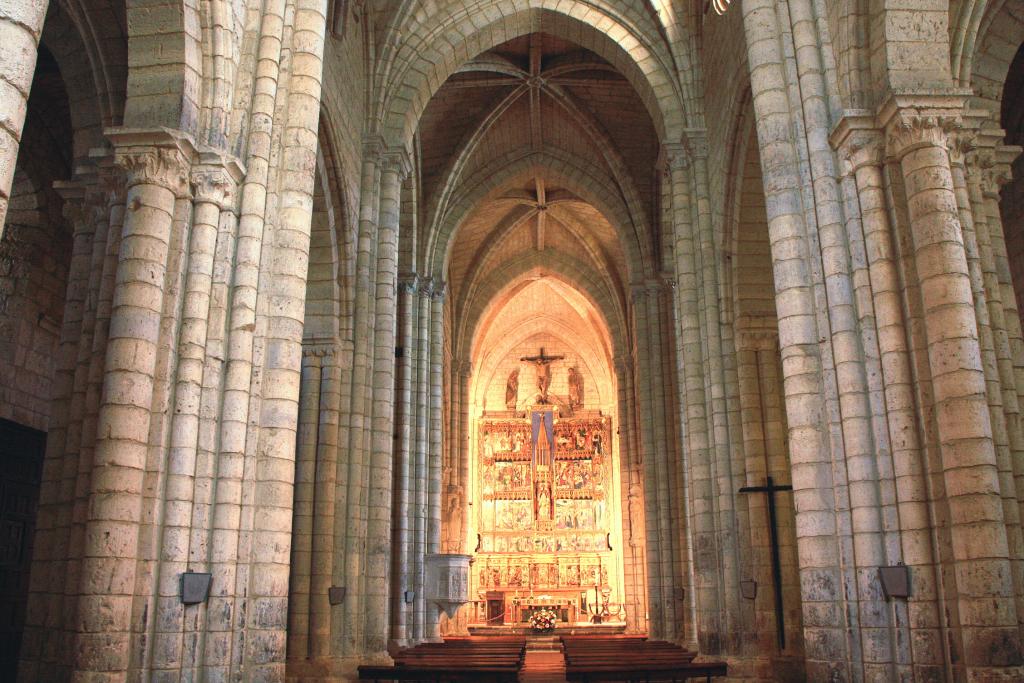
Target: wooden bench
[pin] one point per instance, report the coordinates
(636, 660)
(456, 660)
(435, 674)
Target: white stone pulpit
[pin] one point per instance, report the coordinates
(447, 581)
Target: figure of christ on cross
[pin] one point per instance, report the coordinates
(543, 364)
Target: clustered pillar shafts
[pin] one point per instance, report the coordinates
(154, 455)
(156, 176)
(824, 547)
(981, 539)
(633, 523)
(864, 150)
(698, 442)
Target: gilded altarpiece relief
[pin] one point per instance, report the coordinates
(544, 515)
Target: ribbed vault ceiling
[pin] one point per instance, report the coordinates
(537, 146)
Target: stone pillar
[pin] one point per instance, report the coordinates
(462, 453)
(359, 416)
(633, 522)
(690, 280)
(987, 615)
(751, 349)
(400, 564)
(21, 24)
(324, 507)
(656, 598)
(378, 530)
(156, 176)
(1004, 434)
(212, 185)
(419, 499)
(303, 511)
(862, 146)
(826, 557)
(1002, 329)
(435, 454)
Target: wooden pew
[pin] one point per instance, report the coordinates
(595, 659)
(454, 661)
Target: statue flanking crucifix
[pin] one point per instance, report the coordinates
(543, 364)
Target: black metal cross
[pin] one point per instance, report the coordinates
(770, 489)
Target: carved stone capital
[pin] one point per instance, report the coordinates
(675, 156)
(397, 160)
(160, 157)
(212, 186)
(909, 131)
(408, 284)
(319, 349)
(439, 291)
(216, 178)
(373, 148)
(79, 197)
(696, 142)
(960, 143)
(858, 141)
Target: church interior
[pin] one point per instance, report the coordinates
(344, 337)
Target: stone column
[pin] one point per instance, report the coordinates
(825, 557)
(1004, 435)
(435, 454)
(21, 24)
(655, 585)
(669, 556)
(751, 347)
(862, 146)
(156, 175)
(633, 523)
(400, 565)
(995, 172)
(462, 452)
(1002, 329)
(108, 217)
(419, 499)
(690, 280)
(212, 185)
(987, 615)
(359, 417)
(303, 511)
(324, 508)
(378, 530)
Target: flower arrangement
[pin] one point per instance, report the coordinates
(543, 620)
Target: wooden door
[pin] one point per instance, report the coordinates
(21, 461)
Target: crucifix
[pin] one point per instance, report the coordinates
(543, 364)
(770, 489)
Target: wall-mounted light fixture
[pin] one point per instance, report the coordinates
(720, 6)
(195, 587)
(336, 594)
(895, 581)
(748, 589)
